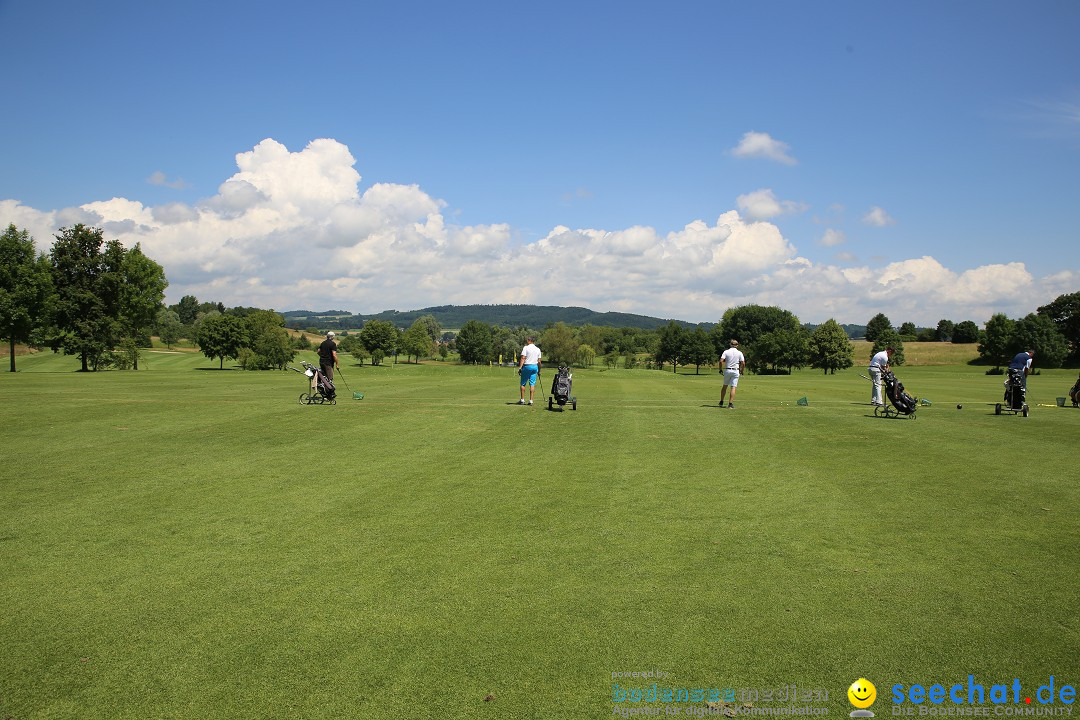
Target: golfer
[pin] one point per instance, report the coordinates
(733, 364)
(529, 369)
(1022, 362)
(879, 364)
(328, 359)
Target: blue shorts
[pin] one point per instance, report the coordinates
(528, 374)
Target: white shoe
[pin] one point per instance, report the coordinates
(530, 402)
(521, 401)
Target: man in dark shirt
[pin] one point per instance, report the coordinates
(328, 359)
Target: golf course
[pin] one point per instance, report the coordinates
(187, 542)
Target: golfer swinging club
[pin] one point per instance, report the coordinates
(529, 369)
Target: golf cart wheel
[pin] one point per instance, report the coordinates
(1025, 411)
(303, 398)
(997, 409)
(878, 411)
(574, 404)
(549, 403)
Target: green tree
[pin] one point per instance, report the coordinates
(830, 348)
(997, 344)
(25, 288)
(698, 349)
(890, 338)
(559, 344)
(417, 341)
(749, 322)
(380, 338)
(877, 325)
(593, 336)
(909, 330)
(945, 330)
(168, 326)
(670, 345)
(473, 342)
(786, 348)
(141, 291)
(586, 356)
(1040, 333)
(86, 272)
(1064, 311)
(222, 336)
(187, 309)
(965, 332)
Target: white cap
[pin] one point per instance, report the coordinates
(330, 334)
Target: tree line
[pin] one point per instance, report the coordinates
(101, 302)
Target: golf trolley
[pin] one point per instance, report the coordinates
(1015, 394)
(320, 388)
(901, 402)
(560, 390)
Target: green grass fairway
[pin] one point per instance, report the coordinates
(184, 542)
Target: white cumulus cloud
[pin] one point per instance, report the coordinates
(759, 144)
(764, 205)
(877, 217)
(292, 229)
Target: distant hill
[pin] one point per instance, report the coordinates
(454, 316)
(855, 332)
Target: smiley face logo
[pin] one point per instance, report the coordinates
(862, 693)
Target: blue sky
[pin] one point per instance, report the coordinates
(836, 158)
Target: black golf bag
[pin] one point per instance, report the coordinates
(894, 389)
(1015, 392)
(561, 387)
(1074, 394)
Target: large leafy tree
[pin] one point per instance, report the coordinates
(698, 349)
(1065, 312)
(559, 344)
(1041, 334)
(417, 341)
(87, 274)
(997, 341)
(380, 337)
(474, 342)
(944, 330)
(784, 348)
(187, 309)
(25, 287)
(266, 336)
(747, 323)
(965, 331)
(830, 348)
(670, 344)
(141, 291)
(168, 326)
(887, 339)
(222, 336)
(877, 325)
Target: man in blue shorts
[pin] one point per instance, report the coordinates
(529, 369)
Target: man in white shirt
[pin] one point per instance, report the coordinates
(529, 369)
(879, 364)
(732, 364)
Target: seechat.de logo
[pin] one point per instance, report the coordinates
(862, 695)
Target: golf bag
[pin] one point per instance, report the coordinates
(1074, 394)
(560, 386)
(324, 385)
(560, 389)
(1015, 393)
(894, 389)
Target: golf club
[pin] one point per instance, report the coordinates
(356, 395)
